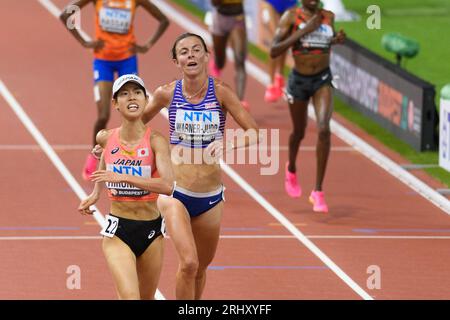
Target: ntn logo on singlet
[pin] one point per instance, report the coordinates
(125, 189)
(139, 171)
(115, 20)
(114, 13)
(198, 115)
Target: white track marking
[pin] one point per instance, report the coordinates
(189, 25)
(360, 145)
(45, 146)
(51, 238)
(391, 167)
(50, 6)
(77, 147)
(36, 147)
(51, 154)
(243, 237)
(336, 237)
(258, 73)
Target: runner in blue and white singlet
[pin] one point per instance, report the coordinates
(195, 125)
(197, 107)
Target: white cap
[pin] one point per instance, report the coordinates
(119, 83)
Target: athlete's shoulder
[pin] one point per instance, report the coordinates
(224, 92)
(221, 87)
(165, 91)
(219, 83)
(103, 136)
(327, 13)
(291, 12)
(157, 139)
(289, 16)
(156, 135)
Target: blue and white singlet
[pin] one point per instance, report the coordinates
(195, 125)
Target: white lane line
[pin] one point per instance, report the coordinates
(76, 147)
(50, 6)
(383, 237)
(191, 26)
(54, 10)
(296, 232)
(45, 146)
(346, 135)
(51, 154)
(336, 237)
(391, 167)
(36, 147)
(243, 237)
(262, 76)
(51, 238)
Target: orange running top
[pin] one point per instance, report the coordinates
(139, 161)
(114, 25)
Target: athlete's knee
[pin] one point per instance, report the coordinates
(189, 267)
(169, 206)
(239, 61)
(298, 135)
(201, 272)
(129, 294)
(324, 133)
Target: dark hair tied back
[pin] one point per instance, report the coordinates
(184, 36)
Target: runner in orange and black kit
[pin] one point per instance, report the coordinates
(135, 165)
(309, 31)
(115, 50)
(228, 20)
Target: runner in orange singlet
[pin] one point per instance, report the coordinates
(115, 50)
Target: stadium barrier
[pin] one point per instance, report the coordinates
(444, 128)
(396, 99)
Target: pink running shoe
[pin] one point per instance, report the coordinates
(273, 93)
(291, 185)
(317, 198)
(213, 70)
(279, 81)
(89, 167)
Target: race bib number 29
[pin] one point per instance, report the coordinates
(110, 227)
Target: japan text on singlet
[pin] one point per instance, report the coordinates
(318, 41)
(139, 161)
(114, 25)
(195, 125)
